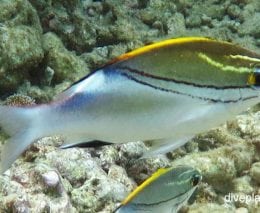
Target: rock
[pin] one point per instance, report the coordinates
(21, 47)
(193, 21)
(65, 64)
(108, 157)
(209, 207)
(234, 11)
(96, 192)
(97, 57)
(75, 165)
(148, 17)
(241, 210)
(19, 13)
(14, 194)
(247, 126)
(20, 43)
(21, 51)
(251, 27)
(51, 179)
(68, 22)
(21, 207)
(219, 166)
(243, 185)
(258, 42)
(118, 173)
(255, 172)
(176, 24)
(141, 169)
(132, 149)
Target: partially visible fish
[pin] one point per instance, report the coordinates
(166, 191)
(165, 92)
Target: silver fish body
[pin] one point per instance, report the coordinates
(165, 193)
(118, 109)
(119, 103)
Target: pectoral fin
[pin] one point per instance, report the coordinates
(163, 146)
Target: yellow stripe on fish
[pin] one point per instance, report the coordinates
(157, 45)
(155, 176)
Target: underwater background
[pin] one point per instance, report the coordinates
(46, 45)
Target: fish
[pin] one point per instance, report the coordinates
(164, 93)
(166, 191)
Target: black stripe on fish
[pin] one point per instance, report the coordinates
(162, 201)
(148, 75)
(180, 93)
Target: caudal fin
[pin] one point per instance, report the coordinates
(18, 123)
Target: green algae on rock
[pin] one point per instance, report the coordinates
(65, 64)
(255, 172)
(21, 47)
(20, 43)
(20, 51)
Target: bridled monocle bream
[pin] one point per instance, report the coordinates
(165, 92)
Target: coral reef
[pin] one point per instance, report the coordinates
(90, 180)
(19, 100)
(20, 43)
(47, 45)
(62, 64)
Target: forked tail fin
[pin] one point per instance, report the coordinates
(18, 123)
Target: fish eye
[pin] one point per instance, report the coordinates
(254, 78)
(257, 76)
(195, 179)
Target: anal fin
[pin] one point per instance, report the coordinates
(87, 144)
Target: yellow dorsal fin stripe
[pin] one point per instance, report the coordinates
(158, 45)
(154, 176)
